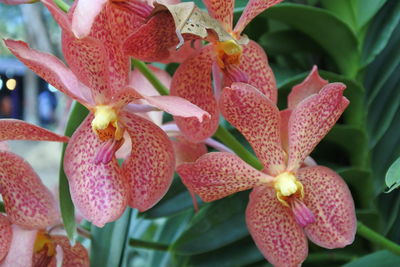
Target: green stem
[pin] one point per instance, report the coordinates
(2, 209)
(148, 244)
(229, 140)
(377, 238)
(142, 67)
(62, 5)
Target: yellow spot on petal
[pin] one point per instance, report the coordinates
(286, 185)
(228, 52)
(44, 241)
(105, 123)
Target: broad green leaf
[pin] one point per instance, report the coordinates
(177, 199)
(380, 31)
(381, 258)
(356, 13)
(215, 225)
(333, 35)
(77, 115)
(108, 243)
(240, 253)
(392, 178)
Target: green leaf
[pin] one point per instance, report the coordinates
(392, 178)
(356, 13)
(380, 31)
(215, 225)
(177, 199)
(77, 115)
(333, 35)
(108, 243)
(381, 258)
(2, 209)
(240, 253)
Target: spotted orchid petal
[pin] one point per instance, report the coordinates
(152, 41)
(277, 235)
(21, 248)
(5, 236)
(99, 191)
(329, 198)
(253, 8)
(187, 50)
(254, 63)
(192, 81)
(52, 70)
(59, 16)
(27, 201)
(11, 129)
(150, 166)
(221, 11)
(88, 59)
(311, 85)
(219, 174)
(258, 119)
(73, 256)
(186, 151)
(285, 116)
(312, 119)
(84, 16)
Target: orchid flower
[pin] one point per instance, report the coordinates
(98, 78)
(31, 208)
(234, 60)
(289, 202)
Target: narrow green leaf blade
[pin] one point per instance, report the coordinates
(77, 115)
(392, 178)
(381, 258)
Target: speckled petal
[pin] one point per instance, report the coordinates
(253, 8)
(219, 174)
(5, 236)
(17, 2)
(178, 107)
(312, 119)
(27, 201)
(192, 81)
(277, 235)
(189, 49)
(11, 129)
(152, 41)
(311, 85)
(84, 16)
(329, 198)
(50, 69)
(73, 256)
(59, 16)
(285, 116)
(142, 84)
(150, 166)
(21, 249)
(186, 151)
(88, 60)
(254, 63)
(100, 192)
(258, 119)
(221, 10)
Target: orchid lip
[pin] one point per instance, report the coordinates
(302, 214)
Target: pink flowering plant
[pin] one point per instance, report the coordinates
(203, 134)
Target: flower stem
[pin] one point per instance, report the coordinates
(142, 67)
(229, 140)
(148, 244)
(377, 238)
(62, 5)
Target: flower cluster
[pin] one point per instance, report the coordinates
(292, 198)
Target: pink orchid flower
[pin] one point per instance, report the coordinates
(31, 208)
(289, 202)
(234, 62)
(99, 79)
